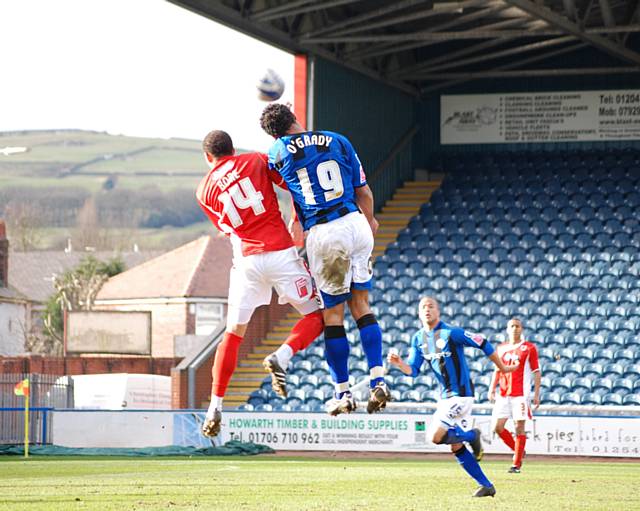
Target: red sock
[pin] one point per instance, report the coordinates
(507, 438)
(305, 331)
(521, 440)
(225, 363)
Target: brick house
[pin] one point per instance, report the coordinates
(14, 307)
(32, 274)
(184, 289)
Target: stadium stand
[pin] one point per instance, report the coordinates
(552, 238)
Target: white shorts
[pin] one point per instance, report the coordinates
(452, 411)
(340, 254)
(512, 407)
(252, 278)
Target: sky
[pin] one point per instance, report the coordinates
(141, 68)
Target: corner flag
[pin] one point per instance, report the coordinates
(22, 388)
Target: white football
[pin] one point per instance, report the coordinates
(271, 86)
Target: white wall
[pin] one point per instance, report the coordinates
(13, 323)
(550, 435)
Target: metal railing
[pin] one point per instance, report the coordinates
(46, 392)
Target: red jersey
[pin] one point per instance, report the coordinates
(238, 197)
(525, 356)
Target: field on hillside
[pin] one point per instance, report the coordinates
(270, 482)
(142, 188)
(60, 152)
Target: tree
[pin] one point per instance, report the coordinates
(89, 232)
(76, 289)
(23, 220)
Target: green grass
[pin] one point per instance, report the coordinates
(317, 484)
(75, 146)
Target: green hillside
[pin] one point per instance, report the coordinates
(99, 189)
(87, 159)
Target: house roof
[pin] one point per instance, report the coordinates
(10, 294)
(32, 273)
(197, 269)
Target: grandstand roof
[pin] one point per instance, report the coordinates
(200, 268)
(421, 46)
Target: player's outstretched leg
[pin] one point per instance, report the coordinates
(224, 364)
(476, 445)
(470, 465)
(211, 427)
(379, 397)
(521, 441)
(304, 332)
(456, 435)
(346, 403)
(337, 355)
(371, 338)
(506, 436)
(485, 491)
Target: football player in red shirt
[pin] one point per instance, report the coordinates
(238, 197)
(512, 402)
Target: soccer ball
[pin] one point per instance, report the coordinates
(271, 86)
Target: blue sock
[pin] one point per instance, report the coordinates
(471, 466)
(336, 353)
(371, 338)
(456, 435)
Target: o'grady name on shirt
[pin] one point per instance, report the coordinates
(308, 140)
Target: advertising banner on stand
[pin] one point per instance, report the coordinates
(578, 436)
(573, 116)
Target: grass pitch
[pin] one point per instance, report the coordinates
(267, 482)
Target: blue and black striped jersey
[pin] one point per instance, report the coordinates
(443, 349)
(322, 171)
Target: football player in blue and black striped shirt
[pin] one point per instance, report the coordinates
(442, 347)
(335, 207)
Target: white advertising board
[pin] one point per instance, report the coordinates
(127, 332)
(551, 435)
(574, 116)
(73, 428)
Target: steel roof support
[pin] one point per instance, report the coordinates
(505, 67)
(530, 73)
(568, 26)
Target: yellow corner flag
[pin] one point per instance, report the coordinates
(22, 389)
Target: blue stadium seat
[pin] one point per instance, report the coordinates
(591, 398)
(571, 398)
(412, 396)
(572, 368)
(551, 398)
(430, 396)
(631, 399)
(562, 382)
(554, 368)
(612, 399)
(614, 369)
(623, 385)
(633, 370)
(594, 369)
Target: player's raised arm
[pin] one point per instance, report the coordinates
(413, 364)
(479, 341)
(500, 365)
